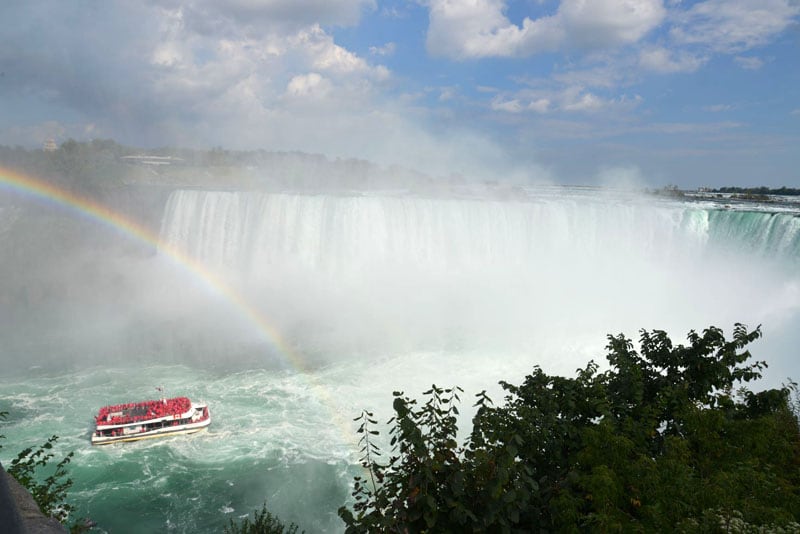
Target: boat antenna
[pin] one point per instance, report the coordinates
(160, 389)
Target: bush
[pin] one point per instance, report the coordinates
(50, 493)
(661, 439)
(263, 523)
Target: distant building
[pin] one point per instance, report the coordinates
(50, 145)
(151, 160)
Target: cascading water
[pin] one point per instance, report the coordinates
(771, 235)
(364, 294)
(345, 236)
(474, 272)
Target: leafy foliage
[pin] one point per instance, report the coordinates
(660, 440)
(432, 484)
(50, 494)
(263, 523)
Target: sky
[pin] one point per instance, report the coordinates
(596, 92)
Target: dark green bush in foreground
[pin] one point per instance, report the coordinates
(662, 440)
(263, 523)
(50, 493)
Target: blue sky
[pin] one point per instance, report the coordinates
(637, 92)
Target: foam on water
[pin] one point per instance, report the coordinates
(266, 430)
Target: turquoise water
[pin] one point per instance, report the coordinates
(276, 435)
(774, 235)
(270, 438)
(369, 295)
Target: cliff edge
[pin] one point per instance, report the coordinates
(19, 513)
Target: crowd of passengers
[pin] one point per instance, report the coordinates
(142, 410)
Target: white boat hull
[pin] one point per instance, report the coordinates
(189, 428)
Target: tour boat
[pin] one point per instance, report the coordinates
(149, 419)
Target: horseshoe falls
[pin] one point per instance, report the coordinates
(289, 313)
(360, 276)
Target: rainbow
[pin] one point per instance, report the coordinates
(29, 186)
(95, 211)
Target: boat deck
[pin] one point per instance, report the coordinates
(149, 419)
(135, 412)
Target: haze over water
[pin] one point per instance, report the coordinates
(367, 293)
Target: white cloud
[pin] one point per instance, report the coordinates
(479, 28)
(579, 100)
(308, 85)
(749, 62)
(716, 108)
(447, 93)
(574, 99)
(593, 23)
(194, 72)
(612, 73)
(540, 105)
(324, 54)
(290, 14)
(385, 50)
(393, 13)
(212, 52)
(683, 128)
(511, 106)
(465, 30)
(240, 78)
(664, 61)
(584, 102)
(730, 26)
(167, 54)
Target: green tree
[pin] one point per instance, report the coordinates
(50, 494)
(661, 439)
(263, 522)
(31, 467)
(432, 484)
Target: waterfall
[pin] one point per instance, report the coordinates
(765, 234)
(375, 272)
(248, 231)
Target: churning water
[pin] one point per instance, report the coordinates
(289, 313)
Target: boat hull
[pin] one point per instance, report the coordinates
(190, 428)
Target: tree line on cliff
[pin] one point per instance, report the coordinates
(89, 167)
